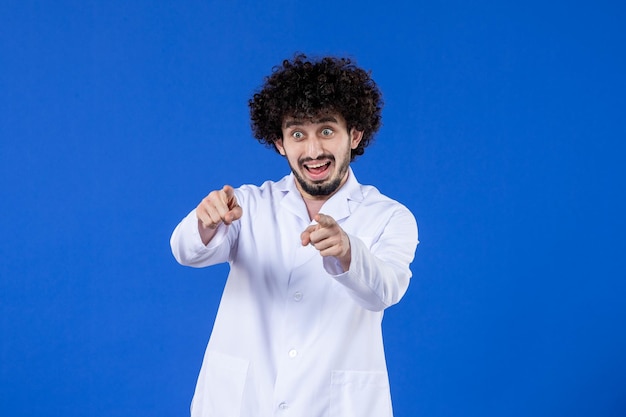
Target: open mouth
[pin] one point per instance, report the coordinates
(317, 170)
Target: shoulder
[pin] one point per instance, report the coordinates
(374, 199)
(370, 200)
(255, 194)
(382, 212)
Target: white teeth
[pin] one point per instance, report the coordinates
(318, 165)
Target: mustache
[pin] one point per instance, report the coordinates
(309, 159)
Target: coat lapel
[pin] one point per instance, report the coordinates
(341, 205)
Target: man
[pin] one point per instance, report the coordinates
(314, 258)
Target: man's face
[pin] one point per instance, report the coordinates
(318, 152)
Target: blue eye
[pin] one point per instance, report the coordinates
(327, 132)
(297, 135)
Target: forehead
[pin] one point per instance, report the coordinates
(321, 118)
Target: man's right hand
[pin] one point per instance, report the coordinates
(220, 206)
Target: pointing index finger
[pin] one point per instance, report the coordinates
(229, 191)
(231, 198)
(324, 220)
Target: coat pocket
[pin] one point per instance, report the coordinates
(360, 394)
(220, 387)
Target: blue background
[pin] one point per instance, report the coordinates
(504, 132)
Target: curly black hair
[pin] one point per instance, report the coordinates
(303, 89)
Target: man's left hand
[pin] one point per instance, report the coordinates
(328, 238)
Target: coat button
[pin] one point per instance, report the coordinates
(297, 296)
(283, 406)
(293, 353)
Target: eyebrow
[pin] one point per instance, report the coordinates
(298, 122)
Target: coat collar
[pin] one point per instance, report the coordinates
(339, 206)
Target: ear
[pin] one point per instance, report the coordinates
(355, 137)
(278, 143)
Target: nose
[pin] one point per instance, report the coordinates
(314, 147)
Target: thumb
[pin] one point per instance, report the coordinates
(305, 236)
(234, 214)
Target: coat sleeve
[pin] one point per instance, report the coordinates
(188, 249)
(379, 275)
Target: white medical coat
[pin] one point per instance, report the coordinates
(295, 335)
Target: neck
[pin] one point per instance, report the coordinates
(313, 206)
(315, 202)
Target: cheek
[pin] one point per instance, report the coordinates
(290, 157)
